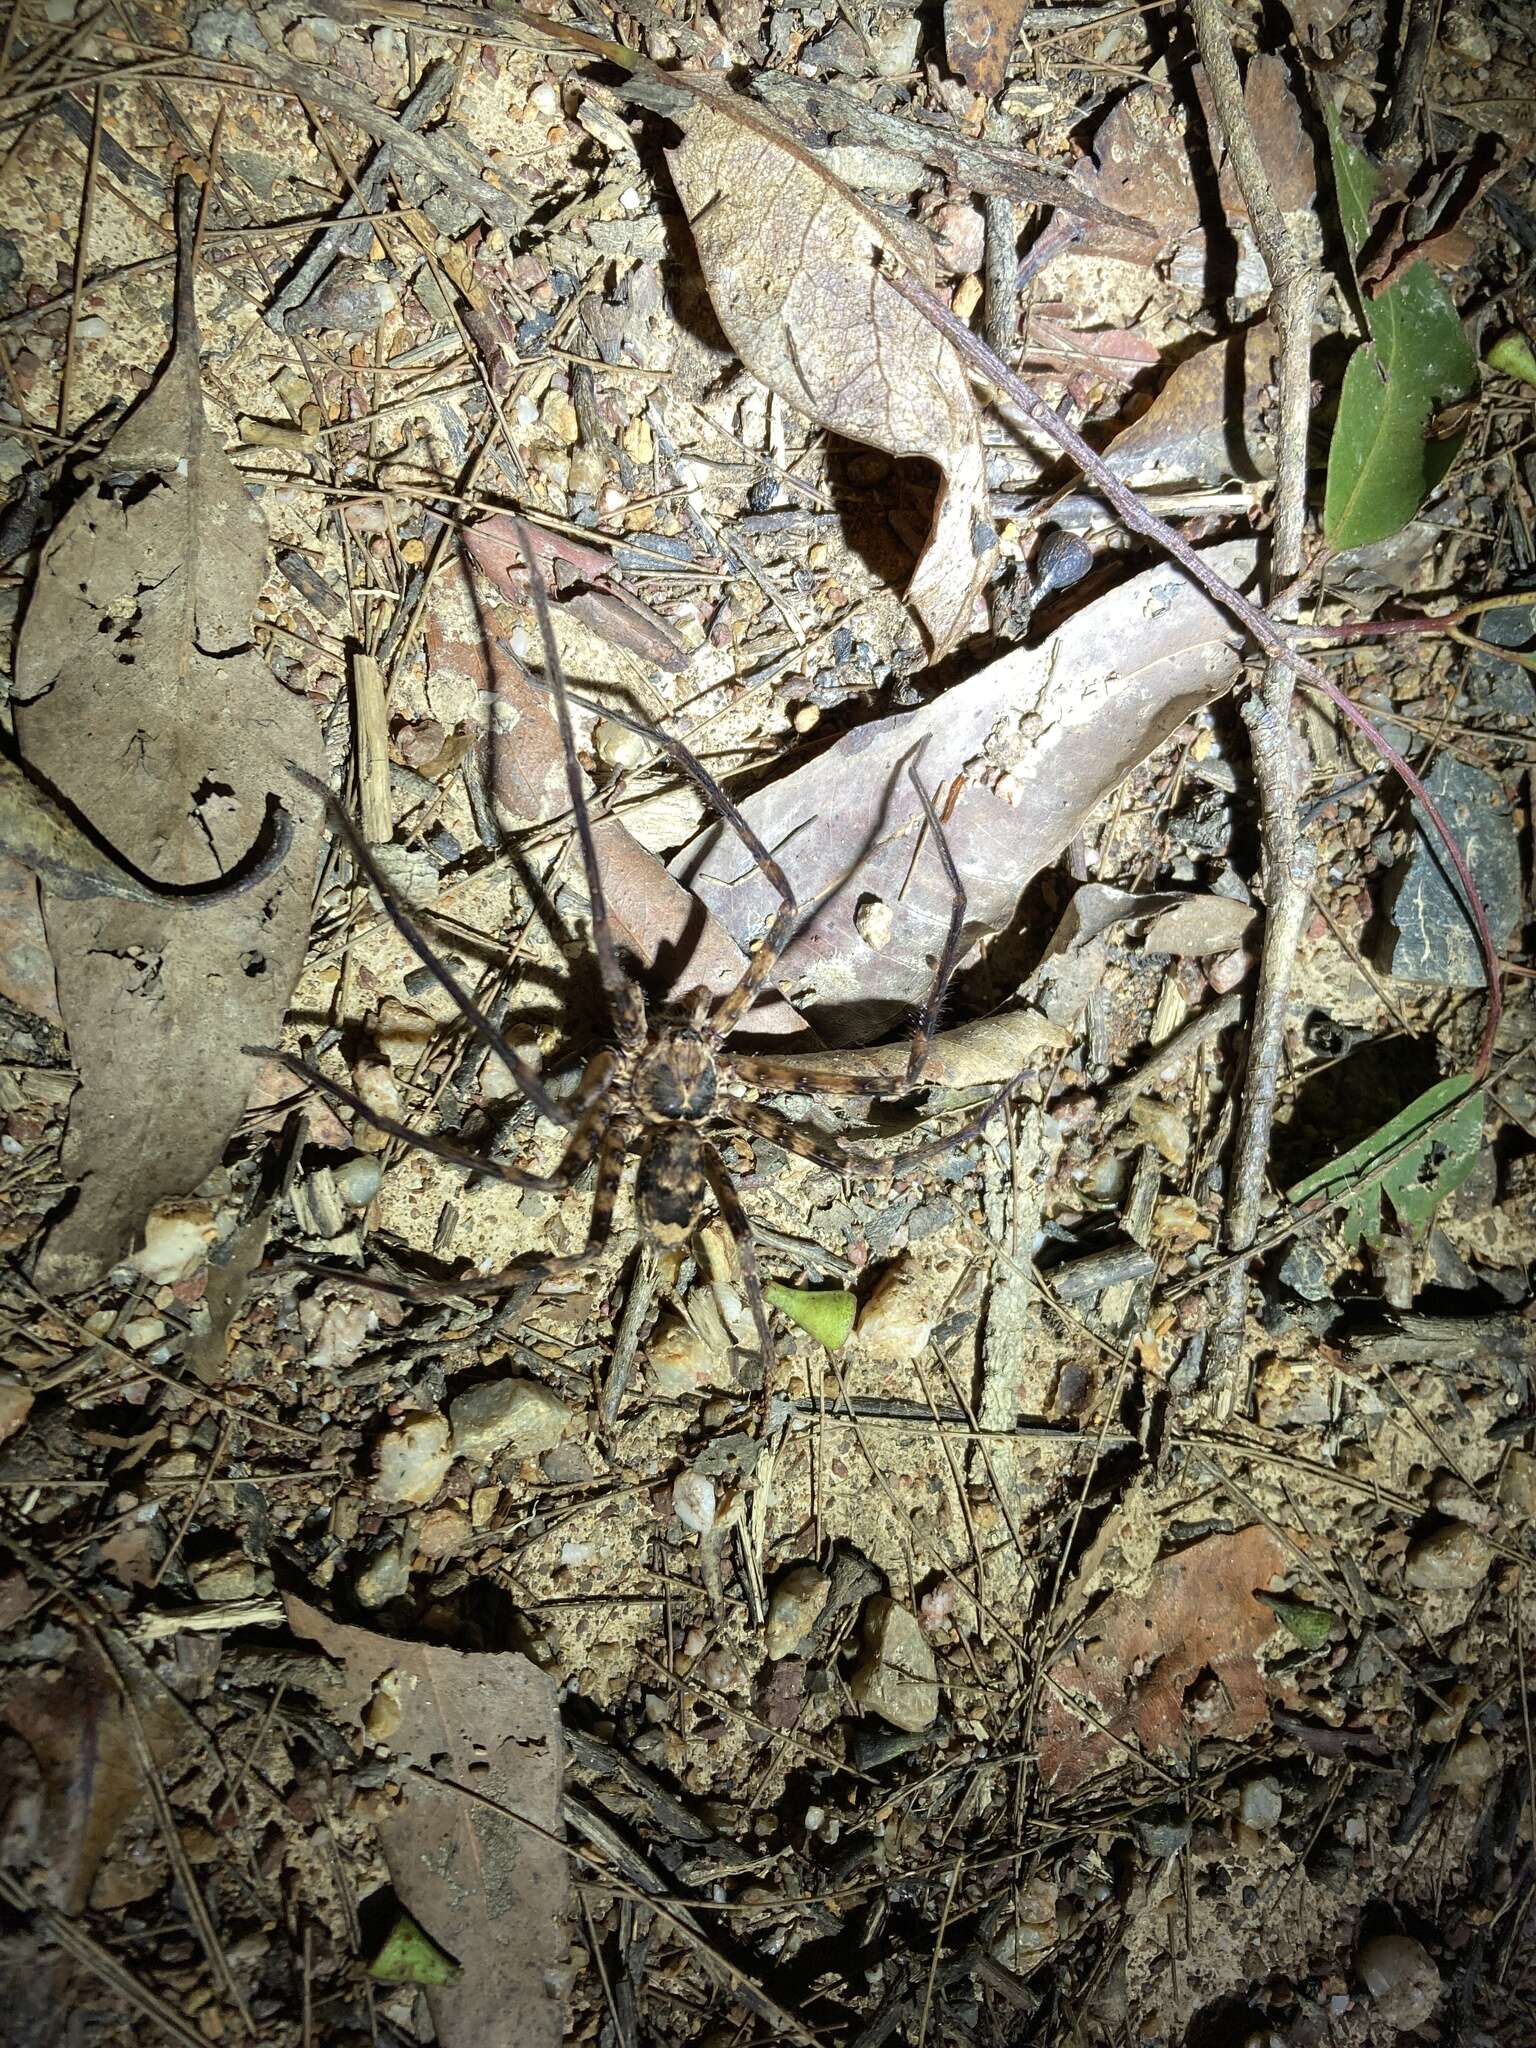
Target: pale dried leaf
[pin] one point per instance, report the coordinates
(141, 701)
(474, 1845)
(1034, 741)
(792, 262)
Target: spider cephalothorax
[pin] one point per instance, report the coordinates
(674, 1078)
(668, 1084)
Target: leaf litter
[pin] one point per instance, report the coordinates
(142, 706)
(1299, 1629)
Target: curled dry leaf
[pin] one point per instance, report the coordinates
(1279, 134)
(474, 1844)
(582, 577)
(658, 924)
(792, 262)
(1019, 755)
(142, 704)
(1211, 424)
(1166, 1666)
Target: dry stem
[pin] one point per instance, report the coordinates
(1289, 859)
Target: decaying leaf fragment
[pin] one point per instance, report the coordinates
(792, 262)
(142, 705)
(473, 1846)
(1165, 1666)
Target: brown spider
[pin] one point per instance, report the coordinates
(667, 1082)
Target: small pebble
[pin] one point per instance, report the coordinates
(898, 1679)
(1451, 1559)
(558, 416)
(874, 921)
(1398, 1973)
(412, 1460)
(794, 1609)
(177, 1235)
(1260, 1804)
(693, 1502)
(617, 746)
(383, 1714)
(358, 1180)
(228, 1576)
(385, 1577)
(959, 235)
(506, 1415)
(443, 1532)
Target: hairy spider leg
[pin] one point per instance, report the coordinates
(526, 1079)
(839, 1156)
(610, 1170)
(625, 1003)
(735, 1218)
(577, 1154)
(764, 953)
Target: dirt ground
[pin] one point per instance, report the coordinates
(401, 1648)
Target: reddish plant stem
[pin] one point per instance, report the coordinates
(1271, 637)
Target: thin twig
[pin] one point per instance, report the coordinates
(77, 292)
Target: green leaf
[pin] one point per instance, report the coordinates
(1355, 179)
(1383, 464)
(1311, 1626)
(1513, 356)
(410, 1956)
(1416, 1160)
(825, 1313)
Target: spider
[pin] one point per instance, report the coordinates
(668, 1083)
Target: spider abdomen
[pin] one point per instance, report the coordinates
(674, 1081)
(670, 1186)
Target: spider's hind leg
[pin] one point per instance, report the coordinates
(735, 1216)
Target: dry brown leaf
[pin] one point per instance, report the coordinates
(1279, 134)
(142, 704)
(791, 260)
(1141, 167)
(1168, 1666)
(1034, 741)
(979, 38)
(474, 1845)
(77, 1728)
